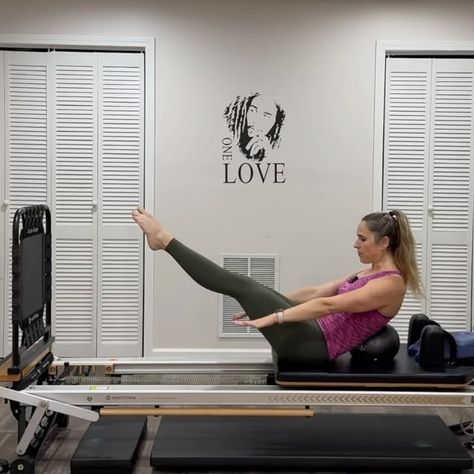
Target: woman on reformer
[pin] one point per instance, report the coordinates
(316, 324)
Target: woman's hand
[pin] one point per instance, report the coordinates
(258, 323)
(238, 316)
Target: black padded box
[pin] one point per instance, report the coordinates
(110, 445)
(331, 442)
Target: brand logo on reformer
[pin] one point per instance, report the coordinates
(256, 124)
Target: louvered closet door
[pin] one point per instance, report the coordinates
(75, 158)
(451, 193)
(24, 151)
(406, 153)
(120, 242)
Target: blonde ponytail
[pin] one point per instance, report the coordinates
(396, 226)
(404, 254)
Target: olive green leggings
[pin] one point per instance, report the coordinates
(299, 342)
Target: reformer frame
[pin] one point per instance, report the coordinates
(265, 396)
(197, 417)
(31, 355)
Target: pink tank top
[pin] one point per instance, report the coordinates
(344, 331)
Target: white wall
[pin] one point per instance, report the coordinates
(317, 59)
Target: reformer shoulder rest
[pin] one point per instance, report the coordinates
(434, 348)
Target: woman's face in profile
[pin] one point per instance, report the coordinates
(260, 117)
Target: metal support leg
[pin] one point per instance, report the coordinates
(32, 428)
(32, 433)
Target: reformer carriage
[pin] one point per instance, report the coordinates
(211, 423)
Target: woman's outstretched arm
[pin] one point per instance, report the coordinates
(383, 294)
(308, 293)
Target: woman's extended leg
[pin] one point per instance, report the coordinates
(299, 342)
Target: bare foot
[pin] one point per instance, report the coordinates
(157, 236)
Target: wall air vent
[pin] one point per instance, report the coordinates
(265, 269)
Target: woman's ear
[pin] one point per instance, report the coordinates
(385, 242)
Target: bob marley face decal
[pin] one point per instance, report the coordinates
(255, 122)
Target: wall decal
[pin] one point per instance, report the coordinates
(256, 123)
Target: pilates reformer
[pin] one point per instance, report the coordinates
(221, 427)
(203, 404)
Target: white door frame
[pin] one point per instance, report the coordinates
(95, 43)
(406, 48)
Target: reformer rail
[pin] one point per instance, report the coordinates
(258, 396)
